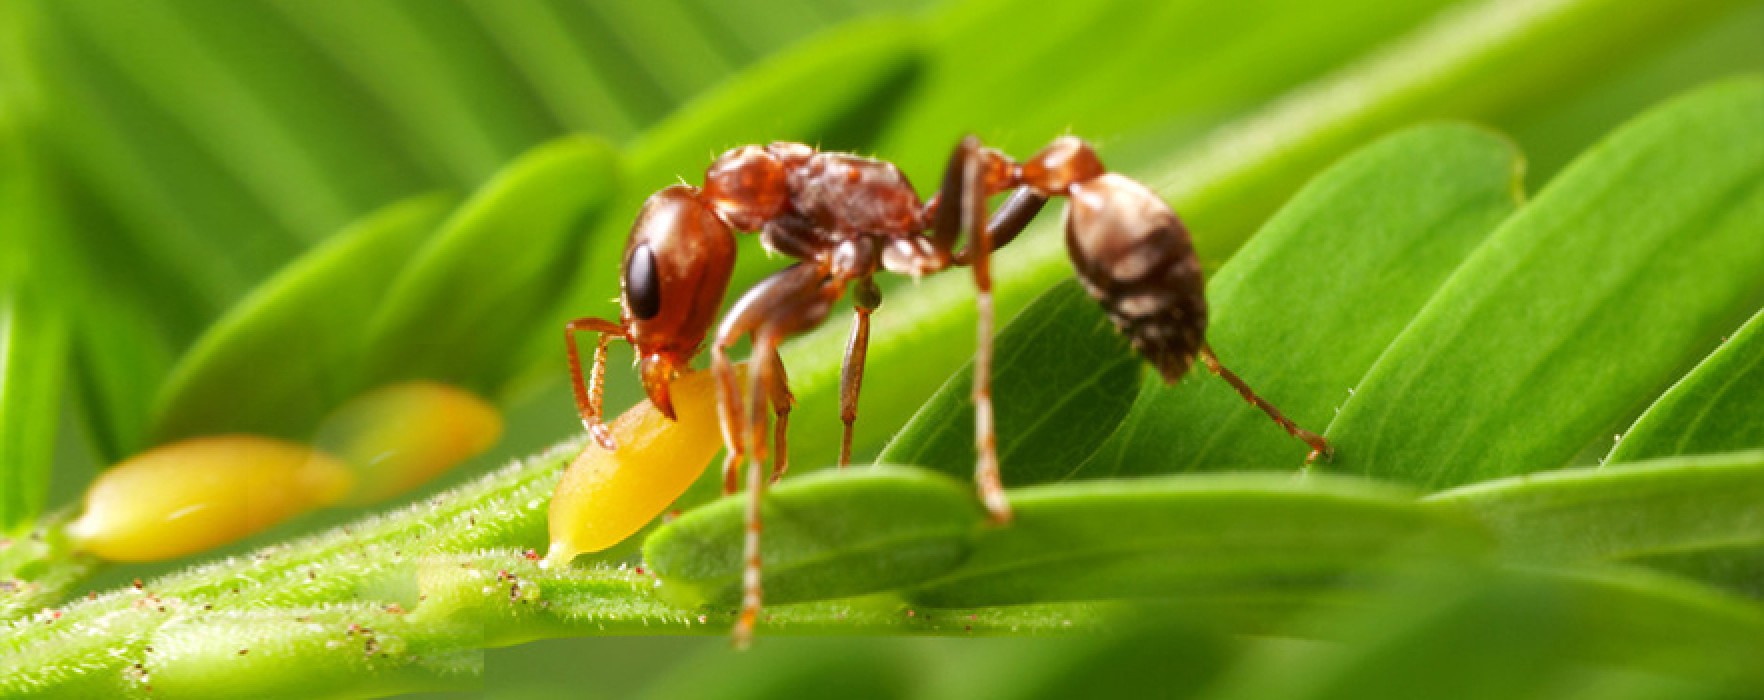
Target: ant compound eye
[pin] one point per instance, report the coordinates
(642, 289)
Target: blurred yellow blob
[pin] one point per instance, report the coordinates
(400, 436)
(201, 493)
(605, 496)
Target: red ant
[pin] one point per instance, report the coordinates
(845, 218)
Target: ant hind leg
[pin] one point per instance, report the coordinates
(962, 205)
(1319, 446)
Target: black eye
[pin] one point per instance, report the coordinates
(642, 290)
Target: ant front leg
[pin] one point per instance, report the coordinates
(588, 396)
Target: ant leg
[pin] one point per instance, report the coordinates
(729, 414)
(851, 372)
(774, 299)
(782, 401)
(792, 299)
(588, 396)
(1009, 219)
(1319, 446)
(961, 204)
(764, 362)
(971, 200)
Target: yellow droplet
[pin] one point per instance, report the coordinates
(401, 436)
(201, 493)
(605, 496)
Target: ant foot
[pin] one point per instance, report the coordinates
(742, 638)
(731, 481)
(602, 435)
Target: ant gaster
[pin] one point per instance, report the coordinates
(846, 218)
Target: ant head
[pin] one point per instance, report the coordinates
(748, 186)
(676, 269)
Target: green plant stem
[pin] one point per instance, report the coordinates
(407, 560)
(38, 569)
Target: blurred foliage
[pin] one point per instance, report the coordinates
(220, 216)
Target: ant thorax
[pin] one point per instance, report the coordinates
(845, 193)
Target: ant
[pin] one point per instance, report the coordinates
(845, 218)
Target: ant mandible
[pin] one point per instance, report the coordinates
(846, 218)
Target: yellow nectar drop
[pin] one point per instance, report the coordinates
(401, 436)
(197, 494)
(606, 496)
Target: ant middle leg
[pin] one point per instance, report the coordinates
(791, 297)
(867, 297)
(588, 396)
(778, 388)
(730, 417)
(762, 368)
(789, 301)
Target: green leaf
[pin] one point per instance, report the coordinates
(1736, 566)
(1062, 379)
(828, 535)
(691, 62)
(289, 353)
(137, 164)
(1145, 652)
(1227, 536)
(843, 667)
(434, 73)
(1714, 408)
(33, 357)
(280, 175)
(1514, 634)
(1615, 513)
(1021, 78)
(1492, 60)
(1646, 250)
(298, 97)
(1307, 306)
(492, 268)
(573, 87)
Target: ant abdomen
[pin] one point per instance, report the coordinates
(1134, 256)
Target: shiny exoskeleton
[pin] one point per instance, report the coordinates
(846, 218)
